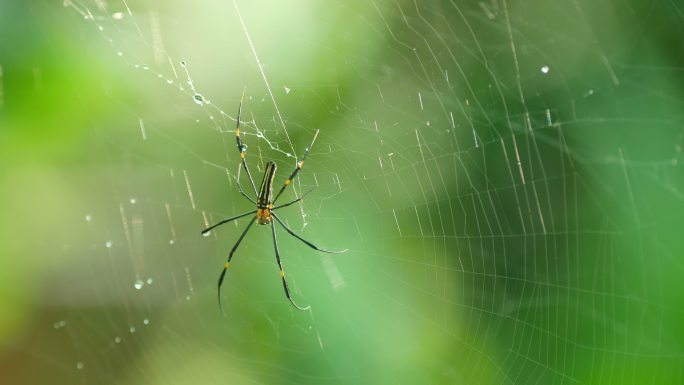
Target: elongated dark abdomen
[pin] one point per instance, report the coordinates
(266, 189)
(265, 198)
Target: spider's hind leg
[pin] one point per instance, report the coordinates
(242, 149)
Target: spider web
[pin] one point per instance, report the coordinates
(506, 176)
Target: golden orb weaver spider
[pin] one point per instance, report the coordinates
(265, 210)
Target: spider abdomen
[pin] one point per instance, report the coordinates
(265, 196)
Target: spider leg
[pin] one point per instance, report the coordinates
(242, 148)
(311, 245)
(299, 166)
(208, 229)
(282, 273)
(227, 265)
(240, 188)
(294, 201)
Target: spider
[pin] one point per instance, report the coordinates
(265, 210)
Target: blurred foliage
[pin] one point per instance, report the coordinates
(507, 177)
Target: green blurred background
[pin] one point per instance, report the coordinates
(506, 176)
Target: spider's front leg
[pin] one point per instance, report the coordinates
(311, 245)
(282, 272)
(230, 257)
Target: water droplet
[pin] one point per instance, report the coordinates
(160, 76)
(133, 201)
(287, 90)
(100, 28)
(117, 340)
(79, 365)
(146, 321)
(171, 241)
(208, 233)
(199, 99)
(169, 81)
(138, 284)
(150, 280)
(545, 69)
(146, 67)
(182, 63)
(88, 217)
(120, 53)
(132, 329)
(117, 15)
(62, 323)
(187, 298)
(108, 244)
